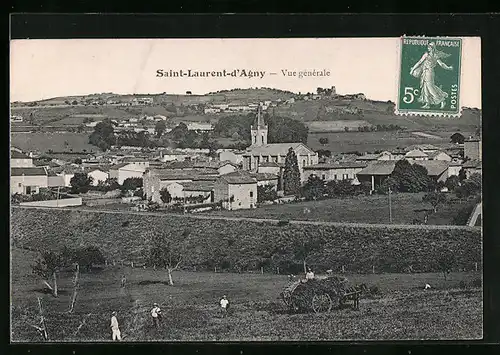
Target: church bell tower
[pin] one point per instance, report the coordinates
(259, 130)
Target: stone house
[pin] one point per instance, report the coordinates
(237, 190)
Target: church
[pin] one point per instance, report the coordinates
(266, 157)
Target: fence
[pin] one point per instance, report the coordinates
(65, 202)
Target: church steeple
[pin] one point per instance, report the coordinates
(259, 130)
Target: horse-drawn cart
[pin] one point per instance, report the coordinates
(320, 294)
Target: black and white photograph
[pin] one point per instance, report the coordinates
(246, 189)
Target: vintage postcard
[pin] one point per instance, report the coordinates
(246, 189)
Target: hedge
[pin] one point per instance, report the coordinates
(243, 244)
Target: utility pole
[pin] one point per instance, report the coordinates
(390, 206)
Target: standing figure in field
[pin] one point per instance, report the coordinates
(224, 304)
(430, 94)
(309, 274)
(156, 315)
(123, 281)
(115, 328)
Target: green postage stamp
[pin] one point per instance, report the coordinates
(429, 76)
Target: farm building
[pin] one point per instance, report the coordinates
(97, 175)
(454, 168)
(437, 155)
(376, 172)
(28, 180)
(67, 172)
(416, 154)
(20, 160)
(236, 190)
(123, 171)
(54, 180)
(472, 149)
(436, 169)
(266, 179)
(335, 170)
(233, 156)
(472, 167)
(270, 168)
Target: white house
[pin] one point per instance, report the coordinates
(20, 160)
(28, 180)
(123, 171)
(97, 175)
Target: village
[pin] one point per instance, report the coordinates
(196, 180)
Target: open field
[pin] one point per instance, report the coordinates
(342, 142)
(402, 309)
(361, 209)
(43, 141)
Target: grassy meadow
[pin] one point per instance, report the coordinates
(361, 209)
(398, 308)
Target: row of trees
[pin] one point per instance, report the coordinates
(82, 183)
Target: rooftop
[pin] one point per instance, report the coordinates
(28, 171)
(336, 165)
(198, 186)
(434, 167)
(472, 164)
(379, 167)
(238, 177)
(278, 149)
(416, 153)
(264, 176)
(14, 154)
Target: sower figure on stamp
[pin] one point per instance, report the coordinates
(430, 94)
(156, 315)
(115, 328)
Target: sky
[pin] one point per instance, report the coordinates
(42, 69)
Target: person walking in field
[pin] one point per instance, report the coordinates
(224, 304)
(309, 274)
(123, 281)
(156, 315)
(115, 328)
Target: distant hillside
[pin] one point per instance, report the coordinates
(52, 111)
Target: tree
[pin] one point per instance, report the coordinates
(462, 174)
(80, 183)
(103, 135)
(304, 247)
(131, 184)
(337, 188)
(285, 130)
(160, 127)
(49, 264)
(88, 256)
(469, 187)
(410, 177)
(291, 174)
(457, 138)
(445, 262)
(435, 199)
(389, 183)
(168, 252)
(324, 153)
(452, 183)
(323, 141)
(266, 193)
(179, 131)
(314, 188)
(165, 195)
